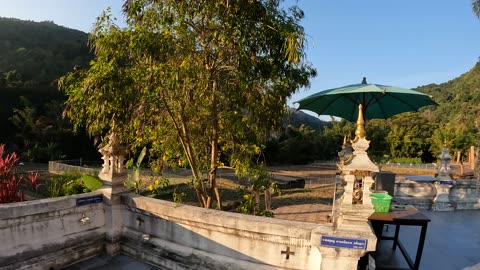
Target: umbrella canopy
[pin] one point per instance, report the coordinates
(378, 101)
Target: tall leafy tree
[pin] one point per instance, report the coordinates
(193, 80)
(476, 7)
(409, 136)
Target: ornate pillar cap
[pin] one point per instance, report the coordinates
(360, 131)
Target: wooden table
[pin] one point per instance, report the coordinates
(401, 215)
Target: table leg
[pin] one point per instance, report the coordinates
(395, 238)
(378, 229)
(420, 246)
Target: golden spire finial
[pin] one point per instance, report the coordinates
(360, 131)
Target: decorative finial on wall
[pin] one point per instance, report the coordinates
(360, 131)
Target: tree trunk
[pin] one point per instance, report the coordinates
(257, 200)
(268, 199)
(471, 157)
(214, 150)
(477, 165)
(182, 132)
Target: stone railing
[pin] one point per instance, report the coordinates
(209, 239)
(54, 233)
(51, 233)
(439, 195)
(165, 234)
(426, 168)
(59, 166)
(57, 232)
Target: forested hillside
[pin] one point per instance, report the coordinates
(408, 137)
(298, 118)
(459, 101)
(36, 54)
(33, 56)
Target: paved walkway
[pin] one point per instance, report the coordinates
(452, 242)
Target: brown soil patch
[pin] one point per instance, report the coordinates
(312, 203)
(304, 212)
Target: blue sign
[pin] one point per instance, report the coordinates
(446, 182)
(340, 242)
(89, 200)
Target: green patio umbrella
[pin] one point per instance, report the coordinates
(378, 101)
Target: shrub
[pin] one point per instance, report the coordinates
(91, 182)
(72, 183)
(159, 184)
(75, 187)
(10, 182)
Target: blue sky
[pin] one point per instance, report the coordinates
(392, 42)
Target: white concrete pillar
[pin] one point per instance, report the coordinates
(348, 194)
(113, 176)
(442, 202)
(367, 184)
(106, 160)
(340, 258)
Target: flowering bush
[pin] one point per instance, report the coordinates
(248, 204)
(10, 182)
(261, 184)
(159, 184)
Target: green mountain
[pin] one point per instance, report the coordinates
(33, 56)
(297, 118)
(38, 53)
(458, 99)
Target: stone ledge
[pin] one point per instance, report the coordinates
(36, 207)
(221, 220)
(58, 253)
(174, 256)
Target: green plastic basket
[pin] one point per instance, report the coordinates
(381, 202)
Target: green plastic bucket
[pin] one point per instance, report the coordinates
(381, 202)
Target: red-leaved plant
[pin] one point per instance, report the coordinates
(10, 182)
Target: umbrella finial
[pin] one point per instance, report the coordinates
(360, 131)
(364, 81)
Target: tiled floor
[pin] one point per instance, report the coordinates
(452, 242)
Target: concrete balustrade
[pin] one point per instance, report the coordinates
(425, 194)
(49, 233)
(58, 232)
